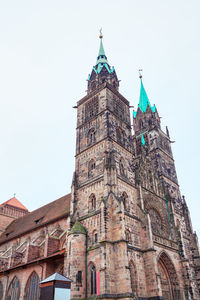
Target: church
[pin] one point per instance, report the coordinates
(124, 231)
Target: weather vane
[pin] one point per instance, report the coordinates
(101, 35)
(140, 73)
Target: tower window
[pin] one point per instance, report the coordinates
(120, 138)
(92, 202)
(91, 167)
(91, 136)
(91, 108)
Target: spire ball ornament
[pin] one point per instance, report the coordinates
(101, 35)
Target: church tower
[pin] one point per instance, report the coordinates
(128, 220)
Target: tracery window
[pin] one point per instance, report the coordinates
(32, 287)
(120, 138)
(92, 202)
(118, 108)
(1, 290)
(14, 290)
(91, 136)
(156, 221)
(91, 108)
(91, 167)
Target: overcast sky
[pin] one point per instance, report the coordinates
(47, 50)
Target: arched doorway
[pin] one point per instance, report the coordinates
(168, 278)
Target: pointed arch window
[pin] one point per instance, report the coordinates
(1, 290)
(93, 280)
(91, 136)
(14, 290)
(120, 138)
(91, 167)
(32, 287)
(92, 202)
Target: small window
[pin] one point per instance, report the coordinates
(93, 284)
(96, 238)
(79, 278)
(92, 202)
(38, 221)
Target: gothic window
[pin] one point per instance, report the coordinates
(156, 222)
(128, 236)
(91, 167)
(1, 290)
(94, 237)
(121, 167)
(120, 138)
(91, 108)
(93, 280)
(14, 290)
(125, 200)
(32, 287)
(92, 202)
(118, 108)
(91, 136)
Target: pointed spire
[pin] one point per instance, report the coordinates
(101, 56)
(144, 100)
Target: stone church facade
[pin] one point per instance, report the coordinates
(124, 232)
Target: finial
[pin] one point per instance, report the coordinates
(101, 35)
(14, 194)
(140, 74)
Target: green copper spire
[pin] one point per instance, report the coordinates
(101, 56)
(102, 59)
(144, 100)
(101, 49)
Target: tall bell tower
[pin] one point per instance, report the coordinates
(130, 231)
(103, 183)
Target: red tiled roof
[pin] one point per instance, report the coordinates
(43, 215)
(15, 202)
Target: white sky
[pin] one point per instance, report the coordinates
(47, 50)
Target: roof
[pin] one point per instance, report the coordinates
(14, 202)
(43, 215)
(56, 276)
